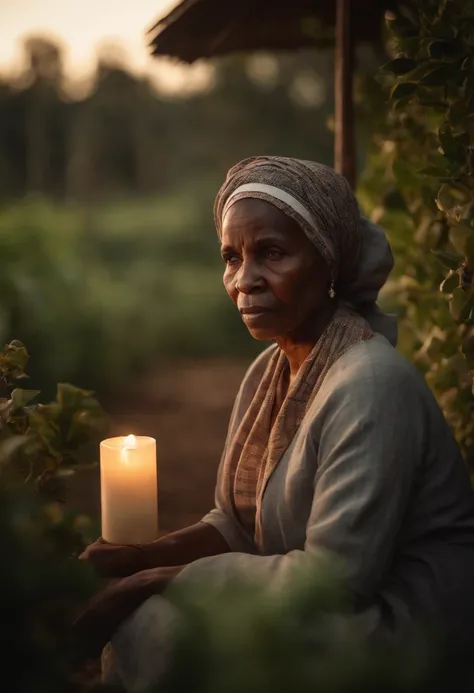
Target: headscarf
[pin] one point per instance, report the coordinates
(323, 205)
(360, 260)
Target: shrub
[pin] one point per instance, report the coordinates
(419, 185)
(102, 294)
(39, 443)
(41, 589)
(41, 584)
(247, 637)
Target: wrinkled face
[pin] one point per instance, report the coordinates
(274, 274)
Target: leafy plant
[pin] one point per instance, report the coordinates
(300, 638)
(42, 586)
(420, 186)
(40, 443)
(41, 590)
(103, 295)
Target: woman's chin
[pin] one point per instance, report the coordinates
(261, 326)
(262, 334)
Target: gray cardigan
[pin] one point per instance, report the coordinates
(373, 477)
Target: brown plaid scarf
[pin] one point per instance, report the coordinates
(258, 445)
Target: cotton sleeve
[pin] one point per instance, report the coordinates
(369, 438)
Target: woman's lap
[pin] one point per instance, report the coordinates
(140, 651)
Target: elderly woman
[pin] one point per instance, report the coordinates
(335, 447)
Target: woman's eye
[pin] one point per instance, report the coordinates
(273, 253)
(231, 259)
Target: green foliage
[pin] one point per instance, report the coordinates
(425, 154)
(100, 296)
(39, 443)
(41, 590)
(42, 586)
(298, 637)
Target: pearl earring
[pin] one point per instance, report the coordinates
(332, 291)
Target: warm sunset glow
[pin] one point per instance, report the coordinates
(82, 27)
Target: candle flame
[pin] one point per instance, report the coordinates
(129, 443)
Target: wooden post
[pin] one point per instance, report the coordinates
(344, 145)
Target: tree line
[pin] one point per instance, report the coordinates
(125, 137)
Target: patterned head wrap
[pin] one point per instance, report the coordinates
(323, 205)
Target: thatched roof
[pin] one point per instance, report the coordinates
(206, 28)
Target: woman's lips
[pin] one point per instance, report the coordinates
(254, 314)
(255, 310)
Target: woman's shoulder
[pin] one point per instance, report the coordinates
(374, 360)
(376, 366)
(373, 367)
(374, 384)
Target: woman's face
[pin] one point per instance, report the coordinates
(274, 274)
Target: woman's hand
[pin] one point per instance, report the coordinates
(114, 560)
(106, 611)
(175, 549)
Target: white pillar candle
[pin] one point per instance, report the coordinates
(129, 490)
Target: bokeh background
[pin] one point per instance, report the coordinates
(109, 164)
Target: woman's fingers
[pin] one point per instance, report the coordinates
(112, 560)
(90, 550)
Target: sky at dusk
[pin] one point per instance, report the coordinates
(83, 26)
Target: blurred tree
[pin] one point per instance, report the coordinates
(126, 138)
(41, 113)
(139, 171)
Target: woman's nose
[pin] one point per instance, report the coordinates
(249, 278)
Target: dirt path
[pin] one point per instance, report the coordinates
(186, 409)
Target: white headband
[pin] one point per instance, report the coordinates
(285, 197)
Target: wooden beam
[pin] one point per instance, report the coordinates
(344, 144)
